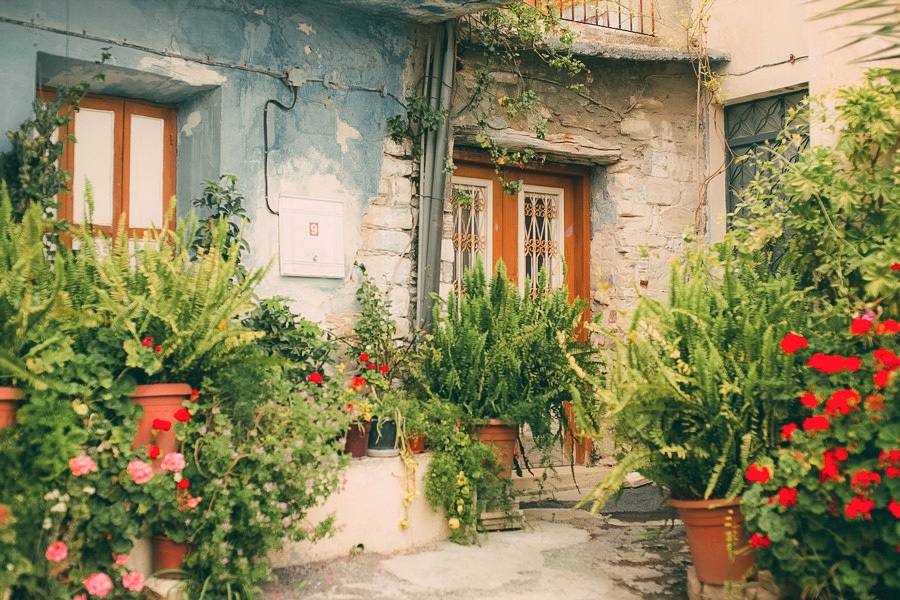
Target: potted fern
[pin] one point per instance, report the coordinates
(500, 356)
(33, 341)
(700, 386)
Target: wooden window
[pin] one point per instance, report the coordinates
(126, 150)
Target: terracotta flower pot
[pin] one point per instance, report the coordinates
(416, 444)
(159, 401)
(168, 556)
(503, 437)
(712, 526)
(9, 404)
(357, 442)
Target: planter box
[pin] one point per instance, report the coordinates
(368, 511)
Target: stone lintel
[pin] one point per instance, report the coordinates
(559, 147)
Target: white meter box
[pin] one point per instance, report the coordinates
(311, 237)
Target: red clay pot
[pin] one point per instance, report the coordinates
(503, 437)
(160, 401)
(416, 444)
(357, 443)
(9, 404)
(712, 526)
(168, 556)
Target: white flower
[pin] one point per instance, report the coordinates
(59, 507)
(48, 523)
(89, 490)
(51, 495)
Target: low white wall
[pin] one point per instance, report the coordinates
(368, 511)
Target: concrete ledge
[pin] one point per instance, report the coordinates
(369, 514)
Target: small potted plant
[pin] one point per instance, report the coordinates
(501, 357)
(697, 390)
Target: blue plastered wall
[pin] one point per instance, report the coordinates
(219, 61)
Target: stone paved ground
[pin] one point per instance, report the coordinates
(627, 553)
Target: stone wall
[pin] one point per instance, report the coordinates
(643, 202)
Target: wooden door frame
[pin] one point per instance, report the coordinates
(578, 207)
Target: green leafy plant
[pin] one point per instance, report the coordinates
(420, 117)
(499, 355)
(33, 338)
(221, 201)
(835, 207)
(699, 385)
(174, 313)
(824, 506)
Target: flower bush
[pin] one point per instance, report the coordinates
(824, 509)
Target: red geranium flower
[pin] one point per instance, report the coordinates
(895, 267)
(888, 359)
(757, 474)
(158, 349)
(888, 327)
(152, 451)
(809, 399)
(195, 394)
(162, 425)
(364, 357)
(793, 342)
(370, 366)
(859, 506)
(182, 414)
(881, 378)
(860, 326)
(894, 508)
(852, 364)
(147, 342)
(787, 496)
(842, 401)
(827, 363)
(787, 431)
(184, 484)
(760, 540)
(357, 382)
(864, 479)
(315, 377)
(384, 369)
(817, 423)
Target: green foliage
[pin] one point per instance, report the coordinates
(174, 312)
(221, 201)
(375, 328)
(838, 207)
(420, 118)
(817, 541)
(700, 385)
(463, 477)
(302, 343)
(33, 340)
(498, 355)
(30, 168)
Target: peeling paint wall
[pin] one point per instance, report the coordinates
(219, 61)
(640, 205)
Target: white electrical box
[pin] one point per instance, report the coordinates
(311, 237)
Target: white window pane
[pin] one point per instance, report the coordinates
(145, 189)
(94, 162)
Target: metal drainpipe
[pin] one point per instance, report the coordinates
(439, 75)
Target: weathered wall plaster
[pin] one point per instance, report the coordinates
(219, 61)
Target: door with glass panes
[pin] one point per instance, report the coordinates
(544, 223)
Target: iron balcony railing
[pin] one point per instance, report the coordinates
(636, 16)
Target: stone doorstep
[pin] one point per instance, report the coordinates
(761, 587)
(559, 484)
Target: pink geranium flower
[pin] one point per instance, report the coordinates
(57, 552)
(173, 461)
(82, 465)
(140, 471)
(133, 581)
(98, 584)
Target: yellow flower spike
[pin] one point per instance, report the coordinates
(223, 324)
